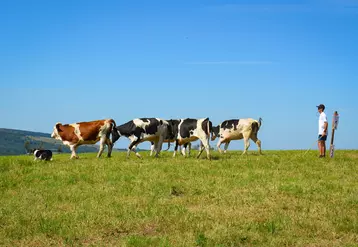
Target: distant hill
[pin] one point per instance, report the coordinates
(15, 142)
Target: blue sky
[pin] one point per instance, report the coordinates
(71, 61)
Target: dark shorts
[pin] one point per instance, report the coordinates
(322, 138)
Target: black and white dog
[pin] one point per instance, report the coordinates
(42, 154)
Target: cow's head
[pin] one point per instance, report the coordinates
(115, 135)
(215, 132)
(56, 129)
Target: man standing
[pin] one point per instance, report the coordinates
(322, 131)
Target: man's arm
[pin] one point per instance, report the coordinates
(325, 128)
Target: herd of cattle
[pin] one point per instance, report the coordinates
(179, 131)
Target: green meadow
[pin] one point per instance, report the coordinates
(283, 198)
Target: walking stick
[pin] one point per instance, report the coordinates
(334, 127)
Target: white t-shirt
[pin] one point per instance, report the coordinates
(322, 119)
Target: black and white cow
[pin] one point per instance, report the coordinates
(143, 129)
(237, 129)
(189, 130)
(169, 138)
(187, 146)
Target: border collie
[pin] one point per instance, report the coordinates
(42, 154)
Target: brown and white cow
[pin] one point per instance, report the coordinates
(76, 134)
(237, 129)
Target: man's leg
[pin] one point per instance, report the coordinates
(322, 145)
(320, 148)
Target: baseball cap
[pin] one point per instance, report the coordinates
(321, 106)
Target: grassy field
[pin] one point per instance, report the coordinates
(280, 199)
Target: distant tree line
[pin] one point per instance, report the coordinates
(30, 145)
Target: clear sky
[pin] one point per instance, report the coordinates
(70, 61)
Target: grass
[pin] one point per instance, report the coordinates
(280, 199)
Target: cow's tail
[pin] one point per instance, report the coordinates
(112, 125)
(255, 125)
(207, 126)
(210, 127)
(168, 145)
(260, 122)
(113, 130)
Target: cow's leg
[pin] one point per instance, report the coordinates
(73, 151)
(159, 145)
(207, 148)
(133, 146)
(155, 149)
(102, 142)
(246, 141)
(183, 148)
(110, 147)
(176, 147)
(134, 149)
(257, 141)
(226, 146)
(218, 145)
(189, 148)
(201, 149)
(205, 142)
(152, 148)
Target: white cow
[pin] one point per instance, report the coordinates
(237, 129)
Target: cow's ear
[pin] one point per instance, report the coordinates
(58, 127)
